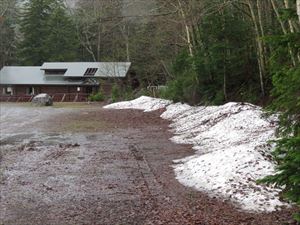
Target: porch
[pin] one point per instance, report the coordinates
(57, 97)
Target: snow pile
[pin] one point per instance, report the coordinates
(143, 103)
(232, 150)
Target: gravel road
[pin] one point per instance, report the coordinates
(81, 164)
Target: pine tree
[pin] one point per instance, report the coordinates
(34, 28)
(287, 152)
(8, 15)
(48, 33)
(61, 42)
(286, 94)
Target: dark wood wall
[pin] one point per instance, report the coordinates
(59, 89)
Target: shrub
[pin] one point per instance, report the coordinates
(142, 92)
(98, 97)
(128, 94)
(115, 93)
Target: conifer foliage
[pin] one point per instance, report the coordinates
(61, 42)
(286, 93)
(8, 15)
(287, 153)
(48, 33)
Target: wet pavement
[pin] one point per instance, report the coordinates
(81, 164)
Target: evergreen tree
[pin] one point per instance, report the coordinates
(48, 33)
(34, 28)
(8, 15)
(286, 93)
(61, 42)
(287, 153)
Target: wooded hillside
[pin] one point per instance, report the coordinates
(207, 51)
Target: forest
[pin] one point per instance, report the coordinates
(206, 52)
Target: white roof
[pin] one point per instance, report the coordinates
(26, 75)
(77, 69)
(35, 75)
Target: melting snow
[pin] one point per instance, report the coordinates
(232, 150)
(144, 103)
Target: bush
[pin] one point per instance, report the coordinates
(115, 93)
(129, 94)
(119, 94)
(98, 97)
(174, 91)
(142, 92)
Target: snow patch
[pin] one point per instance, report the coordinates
(232, 149)
(144, 103)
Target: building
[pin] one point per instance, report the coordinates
(64, 81)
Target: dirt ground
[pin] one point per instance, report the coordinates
(81, 164)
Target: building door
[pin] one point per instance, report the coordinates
(89, 90)
(30, 91)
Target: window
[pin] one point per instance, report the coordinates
(55, 71)
(30, 91)
(8, 91)
(90, 71)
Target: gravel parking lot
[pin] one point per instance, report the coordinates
(81, 164)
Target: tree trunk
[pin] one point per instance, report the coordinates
(278, 17)
(261, 25)
(224, 80)
(99, 42)
(187, 29)
(287, 6)
(283, 29)
(260, 51)
(127, 43)
(224, 57)
(259, 12)
(298, 13)
(89, 48)
(298, 9)
(125, 33)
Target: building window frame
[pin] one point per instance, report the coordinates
(30, 90)
(8, 90)
(55, 71)
(90, 72)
